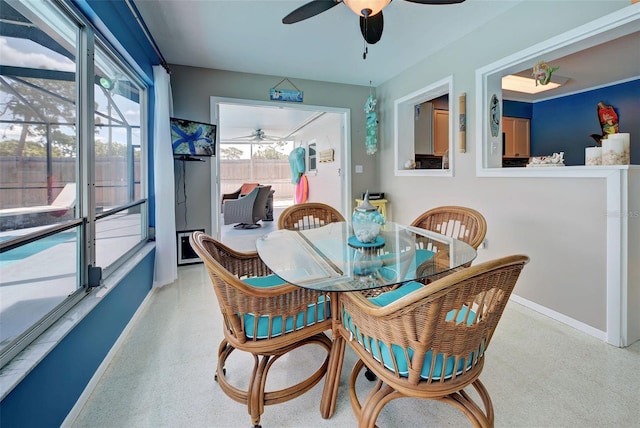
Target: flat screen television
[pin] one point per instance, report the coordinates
(190, 138)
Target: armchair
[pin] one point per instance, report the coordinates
(245, 189)
(247, 210)
(462, 223)
(264, 316)
(429, 342)
(308, 215)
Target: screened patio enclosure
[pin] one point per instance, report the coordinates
(73, 201)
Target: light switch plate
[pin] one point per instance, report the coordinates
(359, 169)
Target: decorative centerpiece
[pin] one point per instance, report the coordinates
(367, 221)
(557, 159)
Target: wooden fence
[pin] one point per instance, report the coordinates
(23, 180)
(277, 173)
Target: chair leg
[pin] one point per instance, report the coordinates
(463, 402)
(381, 394)
(255, 397)
(375, 402)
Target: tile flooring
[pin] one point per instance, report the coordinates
(540, 373)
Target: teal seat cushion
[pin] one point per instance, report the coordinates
(392, 270)
(398, 352)
(393, 295)
(264, 281)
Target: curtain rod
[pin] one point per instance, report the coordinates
(147, 34)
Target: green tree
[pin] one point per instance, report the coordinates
(42, 105)
(270, 151)
(230, 153)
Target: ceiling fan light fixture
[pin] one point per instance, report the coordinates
(373, 7)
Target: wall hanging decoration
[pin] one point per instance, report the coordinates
(326, 155)
(608, 119)
(462, 122)
(494, 115)
(371, 140)
(542, 73)
(277, 93)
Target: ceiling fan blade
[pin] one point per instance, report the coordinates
(309, 10)
(371, 28)
(435, 2)
(244, 137)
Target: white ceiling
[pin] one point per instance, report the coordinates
(248, 36)
(240, 121)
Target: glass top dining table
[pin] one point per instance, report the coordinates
(329, 258)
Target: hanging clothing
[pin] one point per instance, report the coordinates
(296, 162)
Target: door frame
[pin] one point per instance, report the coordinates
(345, 149)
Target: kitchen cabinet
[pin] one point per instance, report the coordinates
(440, 132)
(516, 137)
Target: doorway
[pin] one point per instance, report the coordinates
(254, 142)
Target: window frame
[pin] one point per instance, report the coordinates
(86, 215)
(403, 141)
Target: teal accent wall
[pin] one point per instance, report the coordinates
(49, 392)
(566, 123)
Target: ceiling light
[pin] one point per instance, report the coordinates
(366, 7)
(528, 84)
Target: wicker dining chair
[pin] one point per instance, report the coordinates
(462, 223)
(429, 342)
(264, 316)
(308, 215)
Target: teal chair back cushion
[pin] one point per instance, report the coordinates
(277, 325)
(383, 354)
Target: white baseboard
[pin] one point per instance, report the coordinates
(591, 331)
(93, 382)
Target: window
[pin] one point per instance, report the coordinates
(423, 137)
(312, 156)
(554, 129)
(264, 162)
(71, 166)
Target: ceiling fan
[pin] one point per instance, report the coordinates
(370, 12)
(257, 135)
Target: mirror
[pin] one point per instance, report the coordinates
(597, 62)
(423, 131)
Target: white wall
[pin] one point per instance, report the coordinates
(193, 87)
(324, 184)
(559, 223)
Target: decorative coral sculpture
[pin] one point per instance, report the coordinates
(542, 73)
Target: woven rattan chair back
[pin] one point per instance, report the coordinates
(465, 224)
(432, 341)
(250, 315)
(308, 216)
